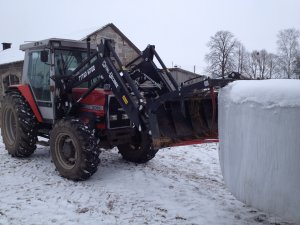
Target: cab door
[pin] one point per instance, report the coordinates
(38, 75)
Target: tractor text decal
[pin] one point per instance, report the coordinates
(86, 73)
(110, 74)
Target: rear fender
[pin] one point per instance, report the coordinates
(27, 94)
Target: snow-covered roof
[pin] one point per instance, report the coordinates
(11, 55)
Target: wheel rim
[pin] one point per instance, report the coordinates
(10, 125)
(66, 151)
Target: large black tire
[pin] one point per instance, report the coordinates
(139, 151)
(18, 125)
(74, 151)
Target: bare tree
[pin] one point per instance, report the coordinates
(252, 64)
(220, 58)
(241, 58)
(297, 67)
(262, 65)
(288, 47)
(262, 60)
(273, 66)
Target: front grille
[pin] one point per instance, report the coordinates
(116, 116)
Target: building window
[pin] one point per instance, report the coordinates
(10, 80)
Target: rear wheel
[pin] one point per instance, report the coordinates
(74, 149)
(140, 151)
(18, 125)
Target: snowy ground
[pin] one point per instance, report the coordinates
(182, 185)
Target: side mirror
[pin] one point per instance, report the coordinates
(44, 56)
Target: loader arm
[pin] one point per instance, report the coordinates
(123, 82)
(150, 96)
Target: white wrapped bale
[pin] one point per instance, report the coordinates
(259, 131)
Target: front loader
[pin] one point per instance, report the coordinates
(83, 99)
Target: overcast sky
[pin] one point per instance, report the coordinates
(180, 29)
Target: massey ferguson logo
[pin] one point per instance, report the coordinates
(110, 74)
(86, 73)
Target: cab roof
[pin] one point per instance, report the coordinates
(55, 42)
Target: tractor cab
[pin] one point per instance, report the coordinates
(50, 58)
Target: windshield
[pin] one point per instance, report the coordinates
(66, 61)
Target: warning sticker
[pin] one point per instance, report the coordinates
(125, 99)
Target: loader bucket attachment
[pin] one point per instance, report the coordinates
(175, 112)
(183, 120)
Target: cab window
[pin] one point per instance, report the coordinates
(38, 74)
(66, 61)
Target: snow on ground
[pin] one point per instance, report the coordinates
(181, 185)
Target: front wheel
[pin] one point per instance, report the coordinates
(139, 151)
(74, 150)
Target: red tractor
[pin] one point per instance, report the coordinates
(82, 98)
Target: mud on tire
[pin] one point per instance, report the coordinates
(139, 151)
(18, 125)
(74, 151)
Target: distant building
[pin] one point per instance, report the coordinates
(124, 48)
(11, 59)
(184, 76)
(11, 64)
